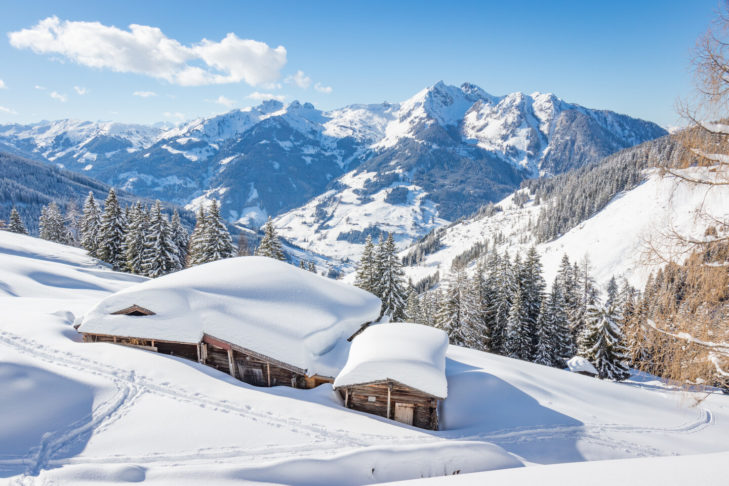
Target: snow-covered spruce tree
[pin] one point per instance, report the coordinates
(533, 285)
(218, 244)
(270, 246)
(111, 233)
(391, 283)
(312, 267)
(517, 343)
(196, 245)
(429, 305)
(413, 313)
(603, 344)
(16, 224)
(134, 239)
(161, 255)
(52, 226)
(365, 278)
(475, 319)
(89, 225)
(563, 347)
(586, 295)
(449, 316)
(73, 223)
(180, 236)
(502, 279)
(544, 351)
(612, 292)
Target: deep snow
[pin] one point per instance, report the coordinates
(78, 413)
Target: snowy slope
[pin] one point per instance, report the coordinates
(615, 239)
(120, 414)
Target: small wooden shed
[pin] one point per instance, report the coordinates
(396, 371)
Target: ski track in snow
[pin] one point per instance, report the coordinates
(131, 386)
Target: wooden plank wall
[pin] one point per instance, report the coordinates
(426, 407)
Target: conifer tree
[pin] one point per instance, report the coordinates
(477, 333)
(73, 223)
(612, 292)
(89, 225)
(16, 224)
(161, 255)
(412, 308)
(391, 281)
(111, 233)
(312, 267)
(137, 229)
(544, 351)
(366, 277)
(603, 343)
(180, 236)
(196, 244)
(302, 264)
(563, 346)
(517, 344)
(217, 242)
(449, 316)
(533, 286)
(270, 245)
(52, 226)
(505, 285)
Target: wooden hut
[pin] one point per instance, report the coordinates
(396, 371)
(260, 320)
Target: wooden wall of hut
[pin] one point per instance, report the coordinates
(404, 402)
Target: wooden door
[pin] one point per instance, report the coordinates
(404, 413)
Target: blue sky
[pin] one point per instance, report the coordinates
(630, 57)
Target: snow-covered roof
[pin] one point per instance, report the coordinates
(578, 364)
(258, 303)
(411, 354)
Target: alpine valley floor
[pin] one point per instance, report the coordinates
(99, 413)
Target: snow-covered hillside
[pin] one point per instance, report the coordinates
(85, 413)
(616, 239)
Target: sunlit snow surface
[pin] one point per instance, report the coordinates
(82, 413)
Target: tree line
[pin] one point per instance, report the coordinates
(504, 308)
(144, 240)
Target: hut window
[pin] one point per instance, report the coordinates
(134, 310)
(371, 399)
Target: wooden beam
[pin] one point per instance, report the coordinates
(389, 389)
(346, 398)
(268, 373)
(231, 363)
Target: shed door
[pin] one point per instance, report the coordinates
(404, 413)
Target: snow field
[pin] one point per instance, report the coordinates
(88, 413)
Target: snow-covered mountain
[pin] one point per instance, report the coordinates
(77, 145)
(447, 150)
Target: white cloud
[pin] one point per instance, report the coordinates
(265, 96)
(2, 84)
(222, 100)
(299, 79)
(8, 110)
(38, 86)
(81, 91)
(144, 94)
(58, 96)
(323, 89)
(146, 50)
